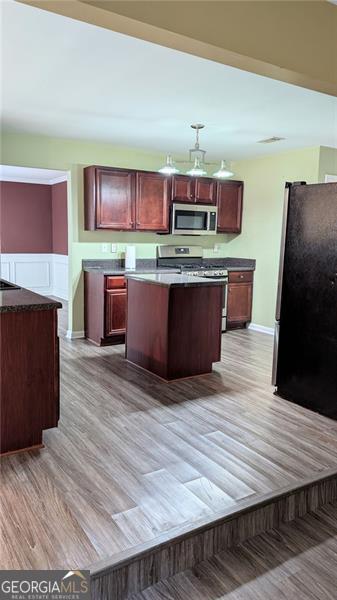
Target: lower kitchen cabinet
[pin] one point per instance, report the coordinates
(239, 300)
(115, 309)
(104, 308)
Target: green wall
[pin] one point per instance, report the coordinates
(264, 180)
(263, 197)
(327, 162)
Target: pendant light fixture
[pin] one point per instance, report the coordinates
(169, 168)
(197, 158)
(223, 172)
(197, 170)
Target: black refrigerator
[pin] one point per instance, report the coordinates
(305, 352)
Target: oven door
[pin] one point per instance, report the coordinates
(191, 219)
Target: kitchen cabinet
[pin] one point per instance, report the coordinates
(199, 190)
(229, 197)
(239, 299)
(152, 202)
(126, 200)
(104, 308)
(130, 200)
(109, 198)
(115, 308)
(29, 366)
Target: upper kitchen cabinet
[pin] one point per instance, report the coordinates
(108, 197)
(205, 190)
(200, 190)
(182, 189)
(229, 203)
(152, 202)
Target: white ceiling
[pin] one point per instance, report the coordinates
(69, 79)
(30, 175)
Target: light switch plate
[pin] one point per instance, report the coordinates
(105, 248)
(113, 248)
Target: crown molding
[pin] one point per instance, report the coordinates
(34, 180)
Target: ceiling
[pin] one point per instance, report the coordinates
(31, 175)
(67, 78)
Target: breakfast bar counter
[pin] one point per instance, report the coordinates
(173, 324)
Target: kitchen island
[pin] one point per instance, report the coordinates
(29, 367)
(173, 324)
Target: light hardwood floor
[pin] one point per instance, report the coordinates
(298, 561)
(134, 457)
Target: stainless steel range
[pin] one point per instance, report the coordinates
(188, 259)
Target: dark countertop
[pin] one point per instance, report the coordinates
(149, 265)
(19, 300)
(105, 271)
(175, 279)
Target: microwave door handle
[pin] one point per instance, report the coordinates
(208, 221)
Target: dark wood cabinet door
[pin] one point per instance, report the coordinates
(115, 312)
(152, 202)
(239, 302)
(229, 203)
(114, 199)
(183, 189)
(205, 190)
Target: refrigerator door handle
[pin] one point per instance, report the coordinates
(275, 354)
(282, 250)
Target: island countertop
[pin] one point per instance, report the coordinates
(20, 299)
(175, 279)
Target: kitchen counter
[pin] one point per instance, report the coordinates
(174, 279)
(20, 299)
(29, 366)
(173, 324)
(116, 267)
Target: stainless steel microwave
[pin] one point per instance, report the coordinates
(193, 219)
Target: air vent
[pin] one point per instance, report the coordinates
(271, 140)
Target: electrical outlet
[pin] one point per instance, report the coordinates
(114, 248)
(105, 248)
(216, 248)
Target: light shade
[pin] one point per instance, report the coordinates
(223, 172)
(169, 168)
(197, 170)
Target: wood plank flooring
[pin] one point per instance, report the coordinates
(296, 561)
(134, 457)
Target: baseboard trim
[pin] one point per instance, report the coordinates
(261, 328)
(74, 335)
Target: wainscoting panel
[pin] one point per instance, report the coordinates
(60, 267)
(5, 270)
(45, 274)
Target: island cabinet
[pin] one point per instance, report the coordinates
(126, 200)
(105, 308)
(173, 324)
(229, 203)
(193, 190)
(239, 299)
(29, 366)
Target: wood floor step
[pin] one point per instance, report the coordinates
(143, 566)
(296, 561)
